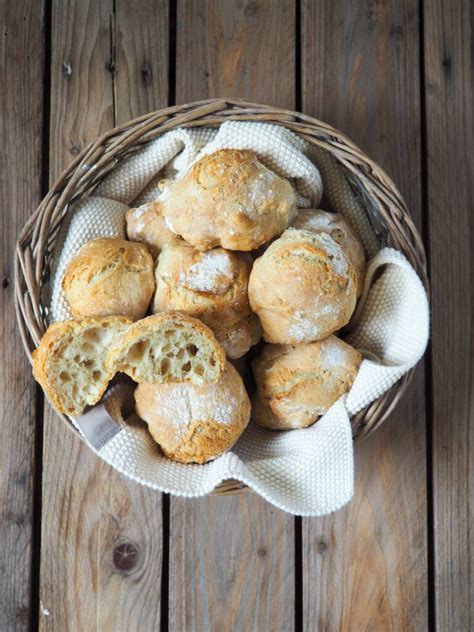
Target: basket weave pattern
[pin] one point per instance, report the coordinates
(383, 202)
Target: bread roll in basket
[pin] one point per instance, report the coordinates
(385, 207)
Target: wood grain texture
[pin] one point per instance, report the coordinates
(21, 103)
(232, 558)
(141, 57)
(243, 48)
(365, 567)
(102, 534)
(231, 565)
(449, 86)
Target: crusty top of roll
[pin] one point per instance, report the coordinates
(110, 277)
(229, 199)
(211, 286)
(335, 225)
(302, 288)
(298, 383)
(147, 225)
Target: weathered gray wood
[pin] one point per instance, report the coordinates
(102, 534)
(232, 558)
(365, 567)
(21, 104)
(449, 86)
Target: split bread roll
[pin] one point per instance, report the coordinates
(302, 288)
(194, 424)
(146, 224)
(339, 229)
(299, 383)
(110, 277)
(168, 347)
(229, 199)
(211, 286)
(69, 362)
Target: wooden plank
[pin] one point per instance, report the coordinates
(365, 567)
(102, 534)
(449, 86)
(21, 103)
(141, 42)
(232, 557)
(236, 48)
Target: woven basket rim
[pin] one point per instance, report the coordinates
(36, 239)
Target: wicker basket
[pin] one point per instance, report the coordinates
(36, 241)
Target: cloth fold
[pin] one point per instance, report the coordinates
(307, 472)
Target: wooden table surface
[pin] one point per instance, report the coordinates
(83, 548)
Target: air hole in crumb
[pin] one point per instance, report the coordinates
(96, 375)
(166, 348)
(186, 367)
(87, 347)
(164, 366)
(180, 354)
(92, 335)
(88, 363)
(76, 358)
(192, 350)
(212, 361)
(137, 351)
(64, 376)
(199, 370)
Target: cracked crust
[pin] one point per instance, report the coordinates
(334, 224)
(229, 199)
(299, 383)
(211, 286)
(302, 288)
(110, 277)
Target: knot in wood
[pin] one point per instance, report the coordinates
(125, 556)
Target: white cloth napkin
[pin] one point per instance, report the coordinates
(306, 472)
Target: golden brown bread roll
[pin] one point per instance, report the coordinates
(195, 424)
(69, 362)
(339, 229)
(211, 286)
(302, 288)
(110, 277)
(299, 383)
(229, 199)
(147, 225)
(168, 347)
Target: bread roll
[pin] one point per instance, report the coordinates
(147, 225)
(211, 286)
(238, 338)
(229, 199)
(168, 347)
(69, 362)
(110, 277)
(339, 229)
(299, 383)
(302, 288)
(194, 424)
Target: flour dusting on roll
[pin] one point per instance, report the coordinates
(302, 288)
(229, 199)
(211, 286)
(195, 424)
